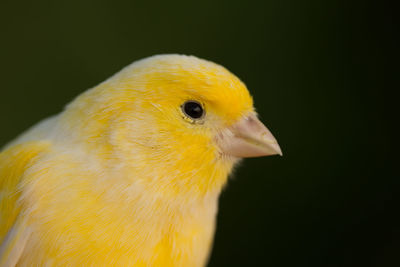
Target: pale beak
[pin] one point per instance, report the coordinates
(248, 138)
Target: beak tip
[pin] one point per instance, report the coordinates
(277, 149)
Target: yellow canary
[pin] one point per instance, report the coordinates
(129, 174)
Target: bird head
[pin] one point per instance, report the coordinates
(182, 120)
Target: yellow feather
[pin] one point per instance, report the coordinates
(121, 177)
(13, 164)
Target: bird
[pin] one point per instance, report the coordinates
(130, 172)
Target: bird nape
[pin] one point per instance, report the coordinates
(129, 174)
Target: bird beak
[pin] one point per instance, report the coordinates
(248, 138)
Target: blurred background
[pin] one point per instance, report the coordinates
(320, 74)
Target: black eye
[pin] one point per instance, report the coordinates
(193, 109)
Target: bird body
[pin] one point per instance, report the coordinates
(124, 176)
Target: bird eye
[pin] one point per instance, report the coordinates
(193, 109)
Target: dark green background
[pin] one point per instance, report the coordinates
(319, 72)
